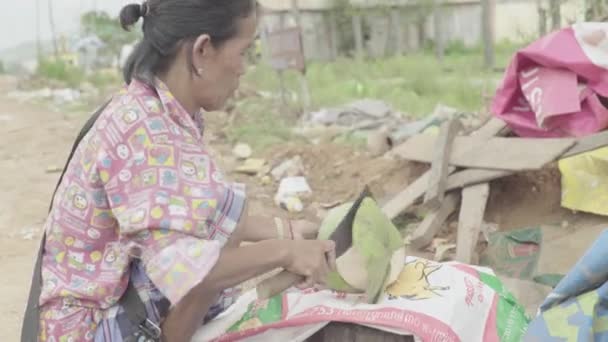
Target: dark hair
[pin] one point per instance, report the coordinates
(168, 24)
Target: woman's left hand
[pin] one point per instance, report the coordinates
(304, 230)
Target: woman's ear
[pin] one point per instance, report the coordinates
(201, 49)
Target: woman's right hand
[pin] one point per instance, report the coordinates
(312, 259)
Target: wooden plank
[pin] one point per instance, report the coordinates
(414, 191)
(492, 127)
(407, 197)
(515, 154)
(588, 143)
(474, 176)
(430, 226)
(474, 200)
(439, 168)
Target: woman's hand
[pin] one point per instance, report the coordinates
(303, 229)
(312, 259)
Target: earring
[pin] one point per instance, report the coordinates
(199, 71)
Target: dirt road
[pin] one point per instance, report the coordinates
(33, 140)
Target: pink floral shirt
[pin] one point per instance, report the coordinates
(140, 185)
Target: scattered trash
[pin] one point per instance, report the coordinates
(28, 233)
(242, 151)
(289, 193)
(355, 113)
(379, 142)
(251, 166)
(59, 96)
(89, 89)
(441, 252)
(293, 204)
(54, 169)
(375, 108)
(266, 180)
(515, 253)
(294, 185)
(487, 229)
(289, 168)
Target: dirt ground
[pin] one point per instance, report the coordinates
(35, 139)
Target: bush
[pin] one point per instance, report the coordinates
(2, 69)
(59, 70)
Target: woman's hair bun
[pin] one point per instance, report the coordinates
(129, 15)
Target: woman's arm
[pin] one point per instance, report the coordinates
(260, 228)
(309, 258)
(234, 266)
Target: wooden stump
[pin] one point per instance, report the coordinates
(340, 332)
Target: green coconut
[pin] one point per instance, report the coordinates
(328, 226)
(377, 254)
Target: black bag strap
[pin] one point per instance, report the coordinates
(135, 308)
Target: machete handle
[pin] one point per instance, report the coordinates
(274, 285)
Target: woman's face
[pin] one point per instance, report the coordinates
(223, 66)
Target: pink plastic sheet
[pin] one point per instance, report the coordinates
(552, 87)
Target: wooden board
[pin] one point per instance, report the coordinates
(414, 191)
(440, 166)
(432, 223)
(341, 332)
(407, 197)
(515, 154)
(588, 143)
(492, 127)
(474, 200)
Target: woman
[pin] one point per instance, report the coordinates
(142, 204)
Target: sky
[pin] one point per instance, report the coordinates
(18, 17)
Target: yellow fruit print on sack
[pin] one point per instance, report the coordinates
(413, 282)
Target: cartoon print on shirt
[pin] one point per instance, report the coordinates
(123, 151)
(127, 118)
(148, 178)
(203, 208)
(178, 206)
(160, 155)
(76, 260)
(152, 105)
(195, 168)
(93, 233)
(156, 126)
(139, 140)
(102, 218)
(168, 179)
(75, 201)
(80, 201)
(161, 139)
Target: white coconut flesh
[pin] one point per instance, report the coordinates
(397, 263)
(352, 268)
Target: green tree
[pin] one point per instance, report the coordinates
(109, 31)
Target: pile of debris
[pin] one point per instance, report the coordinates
(470, 162)
(380, 124)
